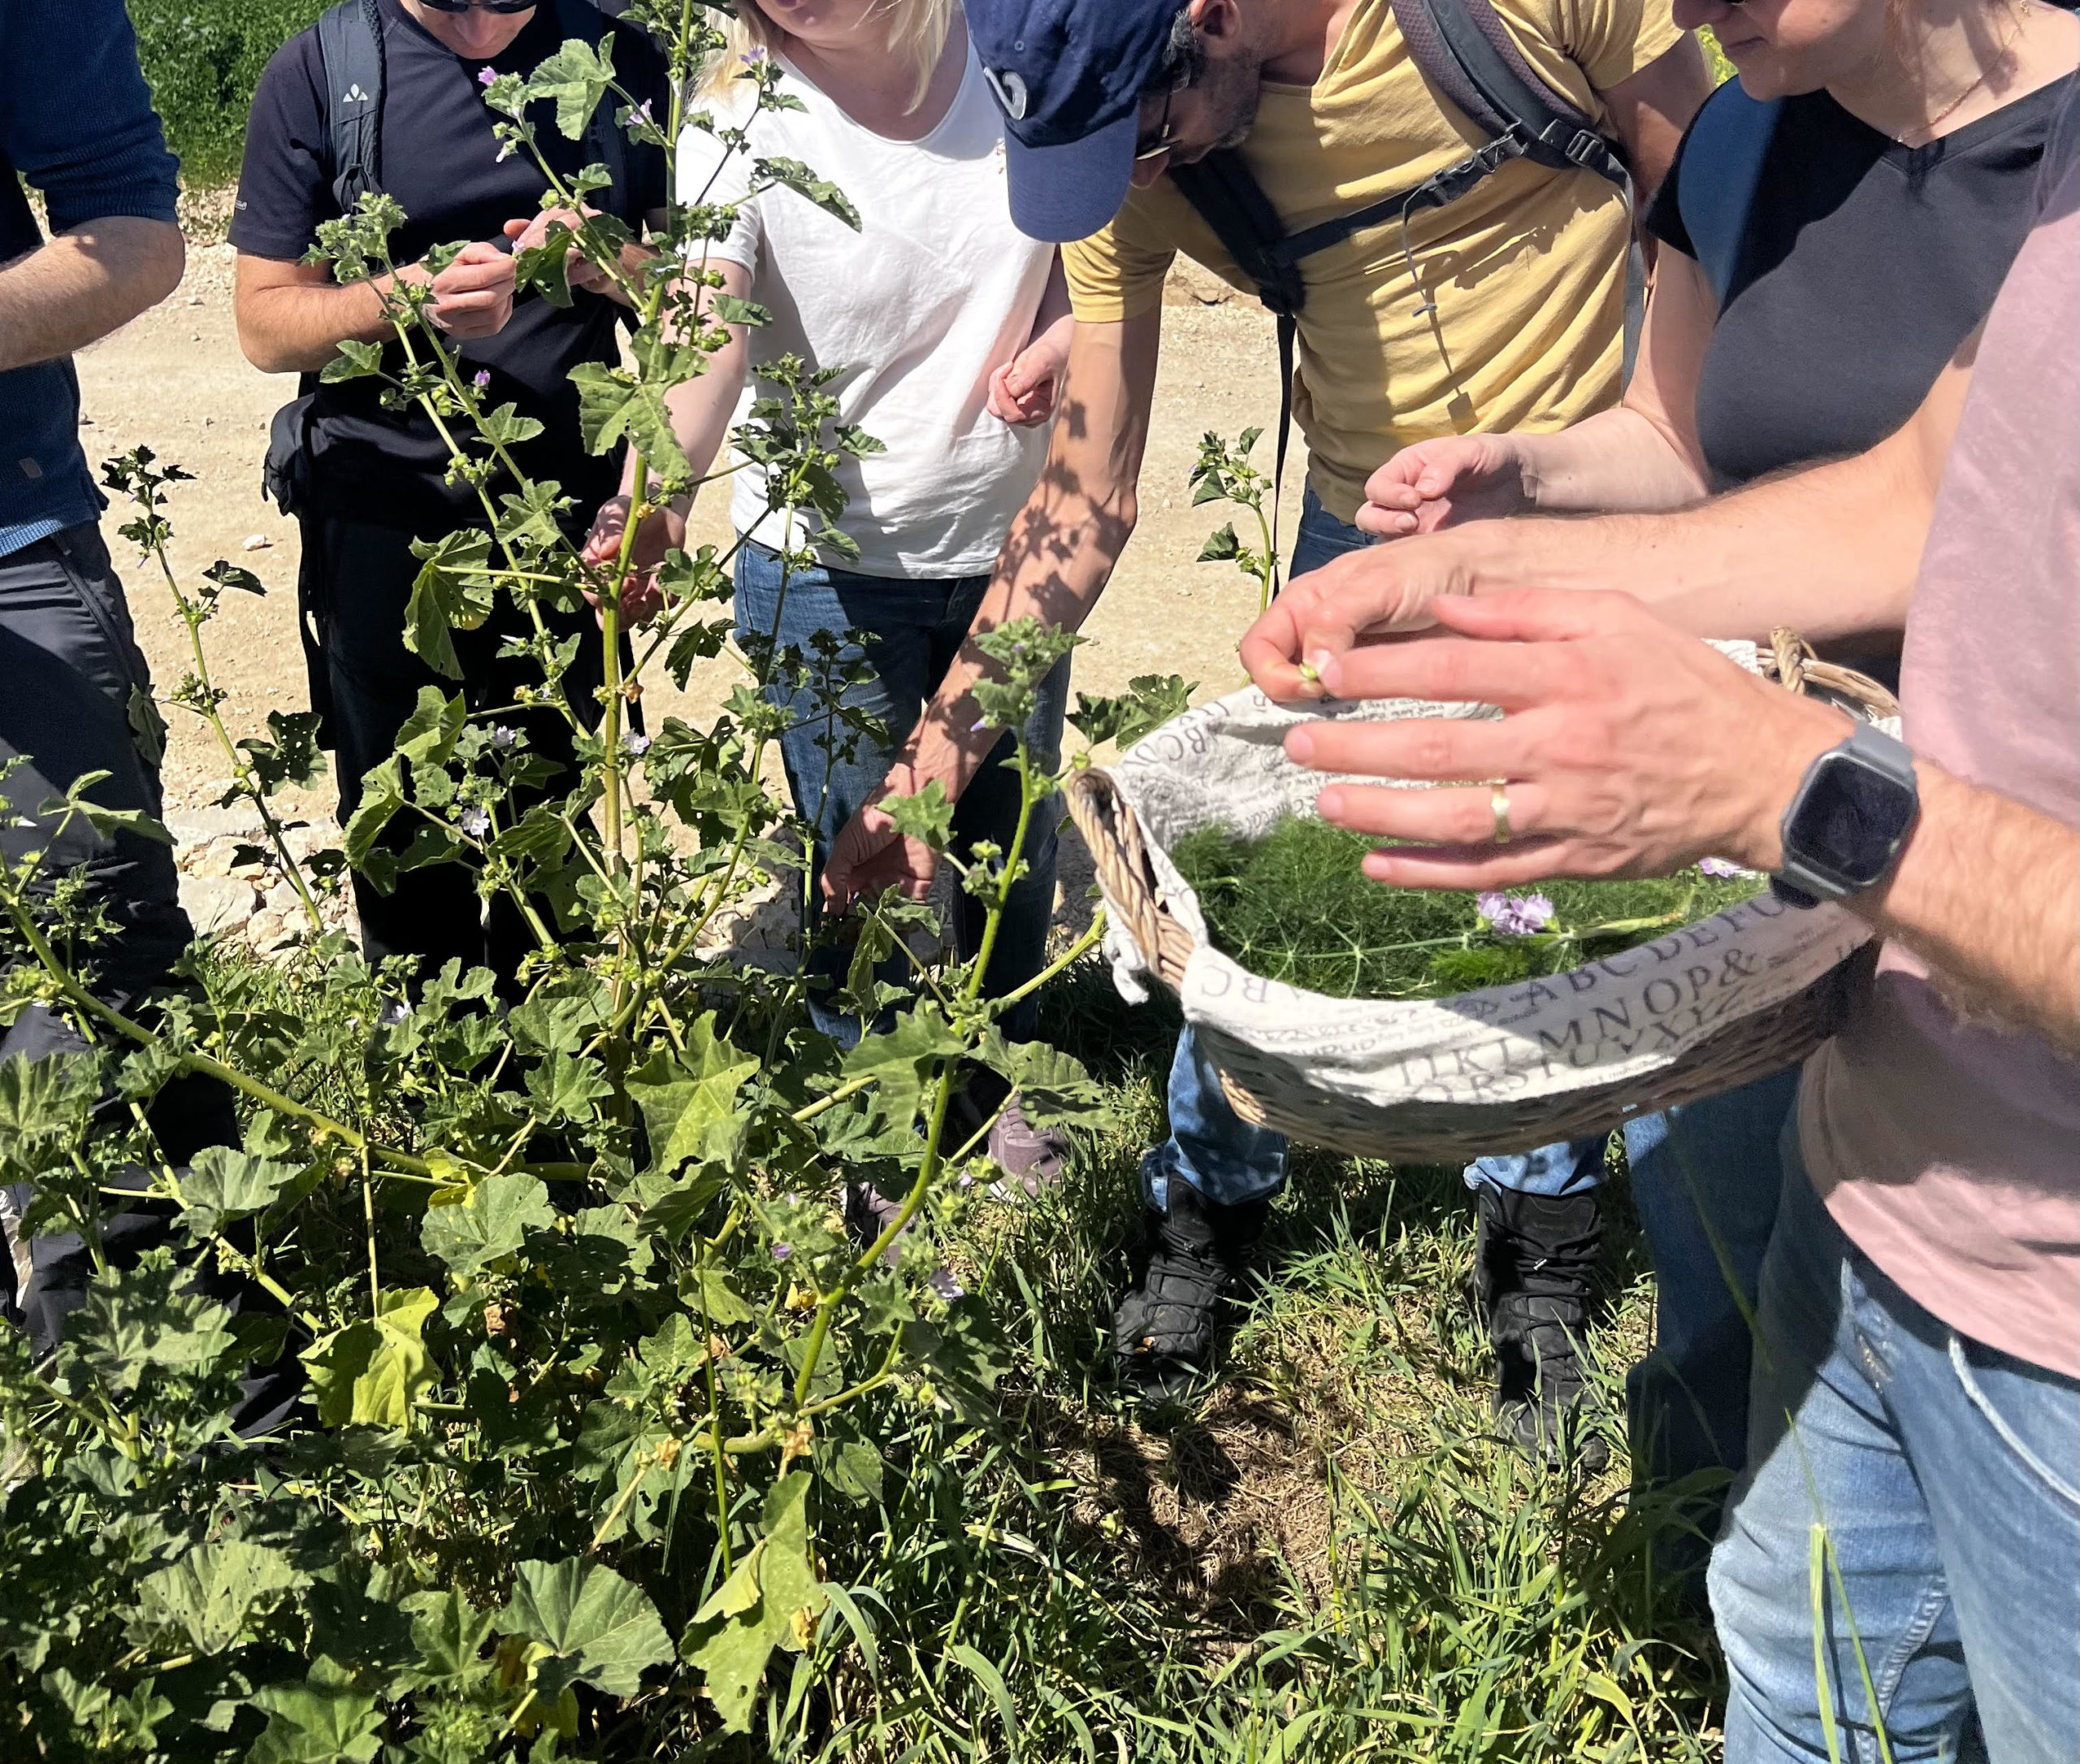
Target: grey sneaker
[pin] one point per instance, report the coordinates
(1031, 1158)
(869, 1213)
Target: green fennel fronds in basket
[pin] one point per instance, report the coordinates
(1295, 906)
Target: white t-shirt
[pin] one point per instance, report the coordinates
(936, 291)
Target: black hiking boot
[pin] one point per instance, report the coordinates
(1191, 1257)
(1532, 1260)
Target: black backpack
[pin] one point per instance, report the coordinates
(350, 55)
(1464, 50)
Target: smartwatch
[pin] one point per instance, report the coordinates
(1853, 812)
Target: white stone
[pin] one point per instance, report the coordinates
(258, 542)
(216, 903)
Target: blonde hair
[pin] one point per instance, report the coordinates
(917, 31)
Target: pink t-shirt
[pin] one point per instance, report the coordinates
(1947, 1149)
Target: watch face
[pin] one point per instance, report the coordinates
(1852, 820)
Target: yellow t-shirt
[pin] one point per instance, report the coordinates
(1528, 271)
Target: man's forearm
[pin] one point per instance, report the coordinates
(1971, 846)
(84, 284)
(297, 330)
(1062, 548)
(1055, 565)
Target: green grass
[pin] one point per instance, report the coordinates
(1295, 906)
(203, 58)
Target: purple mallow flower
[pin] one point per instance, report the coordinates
(781, 1251)
(504, 737)
(476, 822)
(1721, 867)
(486, 77)
(1514, 915)
(481, 379)
(638, 745)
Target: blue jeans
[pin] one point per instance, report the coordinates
(1944, 1473)
(1704, 1182)
(1211, 1146)
(910, 632)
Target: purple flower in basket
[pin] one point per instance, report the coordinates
(1514, 915)
(1724, 868)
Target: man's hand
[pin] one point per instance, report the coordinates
(1628, 748)
(663, 530)
(579, 270)
(1358, 599)
(473, 296)
(869, 855)
(1437, 483)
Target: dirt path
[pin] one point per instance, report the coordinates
(175, 381)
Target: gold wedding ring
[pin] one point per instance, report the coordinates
(1498, 801)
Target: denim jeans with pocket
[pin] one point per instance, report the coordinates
(908, 632)
(1921, 1491)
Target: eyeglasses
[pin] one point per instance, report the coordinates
(503, 8)
(1165, 137)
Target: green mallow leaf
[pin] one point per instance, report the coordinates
(324, 1720)
(899, 1060)
(355, 361)
(451, 593)
(577, 77)
(371, 1372)
(689, 1099)
(449, 1632)
(773, 1600)
(223, 1186)
(926, 816)
(1149, 701)
(213, 1593)
(794, 175)
(599, 1630)
(471, 1235)
(1054, 1088)
(1220, 544)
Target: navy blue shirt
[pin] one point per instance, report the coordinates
(1862, 265)
(439, 159)
(77, 122)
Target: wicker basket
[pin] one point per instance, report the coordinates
(1267, 1087)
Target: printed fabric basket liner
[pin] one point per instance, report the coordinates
(1743, 993)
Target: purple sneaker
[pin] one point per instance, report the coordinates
(1031, 1157)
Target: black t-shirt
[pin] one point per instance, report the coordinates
(1863, 265)
(440, 159)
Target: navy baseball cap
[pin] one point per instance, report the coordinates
(1069, 76)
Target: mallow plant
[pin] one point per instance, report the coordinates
(596, 1391)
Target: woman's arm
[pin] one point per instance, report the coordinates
(1023, 390)
(1641, 457)
(701, 409)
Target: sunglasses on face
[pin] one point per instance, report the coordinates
(1165, 137)
(503, 8)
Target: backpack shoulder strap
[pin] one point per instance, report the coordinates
(1720, 166)
(350, 54)
(1226, 196)
(1464, 49)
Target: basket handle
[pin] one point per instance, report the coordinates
(1110, 829)
(1791, 662)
